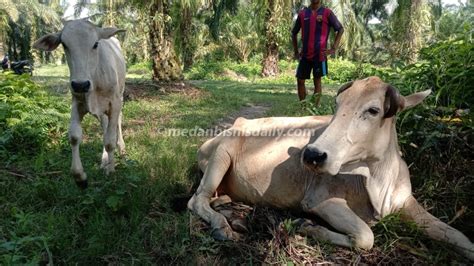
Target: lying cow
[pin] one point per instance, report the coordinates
(349, 172)
(97, 75)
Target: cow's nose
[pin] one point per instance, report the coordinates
(80, 86)
(312, 155)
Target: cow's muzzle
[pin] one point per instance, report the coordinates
(313, 156)
(80, 86)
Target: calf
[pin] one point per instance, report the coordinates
(97, 75)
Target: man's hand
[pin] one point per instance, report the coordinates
(329, 51)
(297, 55)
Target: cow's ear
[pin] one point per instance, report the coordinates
(393, 102)
(105, 33)
(415, 99)
(48, 42)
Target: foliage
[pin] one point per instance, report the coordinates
(240, 36)
(340, 71)
(29, 117)
(355, 16)
(26, 21)
(225, 70)
(444, 68)
(454, 22)
(438, 144)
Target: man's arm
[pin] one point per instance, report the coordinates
(335, 45)
(294, 40)
(337, 26)
(294, 37)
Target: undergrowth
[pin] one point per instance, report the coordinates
(29, 117)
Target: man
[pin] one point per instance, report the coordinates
(314, 22)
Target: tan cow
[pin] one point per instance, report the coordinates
(97, 75)
(348, 171)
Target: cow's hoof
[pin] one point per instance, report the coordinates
(109, 169)
(301, 223)
(223, 234)
(239, 225)
(82, 184)
(122, 152)
(81, 179)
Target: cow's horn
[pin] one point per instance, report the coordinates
(344, 87)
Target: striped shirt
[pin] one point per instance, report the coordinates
(314, 27)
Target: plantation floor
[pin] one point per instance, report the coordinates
(130, 217)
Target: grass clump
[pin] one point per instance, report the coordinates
(29, 117)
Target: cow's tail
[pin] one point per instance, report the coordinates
(437, 229)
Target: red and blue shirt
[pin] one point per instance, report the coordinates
(314, 27)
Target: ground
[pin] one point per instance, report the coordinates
(129, 217)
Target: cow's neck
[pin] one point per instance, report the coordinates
(384, 175)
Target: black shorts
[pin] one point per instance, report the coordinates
(320, 69)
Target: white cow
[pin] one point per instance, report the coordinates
(97, 75)
(348, 172)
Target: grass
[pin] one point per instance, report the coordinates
(128, 217)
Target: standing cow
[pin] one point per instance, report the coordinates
(348, 171)
(97, 75)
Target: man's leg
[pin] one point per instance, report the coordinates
(317, 89)
(301, 89)
(303, 73)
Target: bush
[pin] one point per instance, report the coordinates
(220, 70)
(448, 70)
(438, 144)
(445, 67)
(140, 68)
(29, 117)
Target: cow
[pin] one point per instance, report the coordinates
(97, 79)
(347, 170)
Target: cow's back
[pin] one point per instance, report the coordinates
(265, 156)
(111, 68)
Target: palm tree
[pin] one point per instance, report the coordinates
(165, 63)
(219, 8)
(408, 25)
(185, 13)
(355, 16)
(273, 14)
(24, 21)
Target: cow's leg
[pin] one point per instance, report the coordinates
(75, 137)
(322, 233)
(110, 137)
(335, 211)
(104, 122)
(120, 141)
(436, 229)
(199, 203)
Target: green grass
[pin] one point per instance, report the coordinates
(127, 217)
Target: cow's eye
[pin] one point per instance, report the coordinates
(95, 45)
(373, 111)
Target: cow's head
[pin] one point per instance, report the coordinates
(362, 127)
(81, 42)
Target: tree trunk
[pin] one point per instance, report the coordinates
(164, 61)
(413, 33)
(270, 58)
(187, 52)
